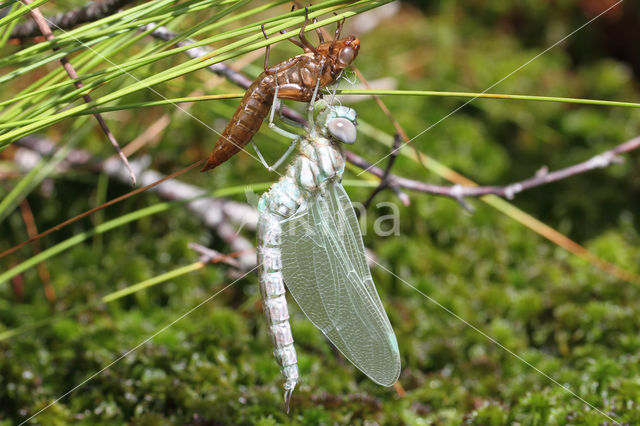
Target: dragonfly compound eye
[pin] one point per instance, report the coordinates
(343, 130)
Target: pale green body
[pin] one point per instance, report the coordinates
(309, 238)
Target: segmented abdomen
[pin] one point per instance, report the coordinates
(273, 297)
(246, 121)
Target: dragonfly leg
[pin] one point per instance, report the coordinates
(280, 160)
(293, 40)
(266, 55)
(288, 120)
(310, 109)
(272, 126)
(308, 46)
(339, 28)
(319, 32)
(262, 160)
(292, 146)
(282, 66)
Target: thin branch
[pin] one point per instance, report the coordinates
(216, 213)
(42, 24)
(32, 230)
(384, 179)
(100, 207)
(213, 256)
(67, 20)
(399, 136)
(509, 191)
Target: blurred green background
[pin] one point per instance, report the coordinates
(561, 314)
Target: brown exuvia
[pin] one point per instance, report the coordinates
(296, 78)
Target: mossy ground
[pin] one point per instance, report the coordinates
(559, 314)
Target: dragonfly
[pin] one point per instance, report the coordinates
(309, 240)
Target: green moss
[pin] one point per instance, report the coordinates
(557, 313)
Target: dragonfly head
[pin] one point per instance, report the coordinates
(340, 123)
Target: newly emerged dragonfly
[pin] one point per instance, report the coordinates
(309, 239)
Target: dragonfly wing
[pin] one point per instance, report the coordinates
(325, 270)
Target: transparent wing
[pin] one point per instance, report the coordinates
(325, 270)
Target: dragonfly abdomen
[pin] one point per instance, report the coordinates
(273, 298)
(245, 122)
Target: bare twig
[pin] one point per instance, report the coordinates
(67, 20)
(216, 213)
(384, 180)
(398, 138)
(100, 207)
(459, 192)
(213, 256)
(42, 24)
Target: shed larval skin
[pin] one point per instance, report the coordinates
(296, 78)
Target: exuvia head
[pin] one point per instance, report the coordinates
(347, 51)
(341, 53)
(340, 123)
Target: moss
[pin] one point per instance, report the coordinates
(553, 312)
